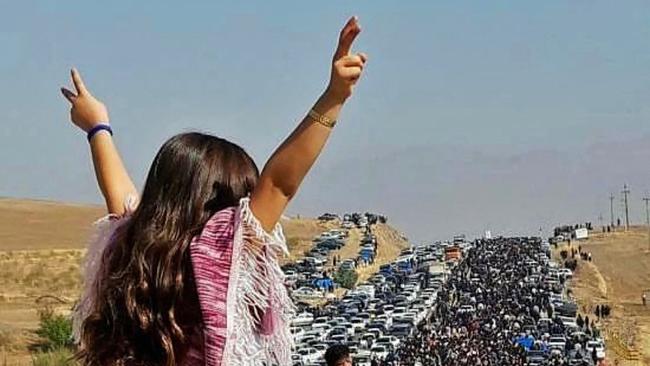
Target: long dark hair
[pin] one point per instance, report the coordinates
(147, 310)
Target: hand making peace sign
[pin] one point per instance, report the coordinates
(346, 67)
(86, 112)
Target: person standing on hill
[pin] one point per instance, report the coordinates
(187, 272)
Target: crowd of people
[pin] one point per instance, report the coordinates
(489, 311)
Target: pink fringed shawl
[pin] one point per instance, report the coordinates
(245, 306)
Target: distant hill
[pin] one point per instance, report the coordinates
(39, 225)
(35, 225)
(45, 225)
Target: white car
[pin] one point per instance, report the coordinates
(568, 321)
(368, 339)
(309, 354)
(321, 348)
(367, 289)
(411, 318)
(398, 311)
(338, 320)
(296, 359)
(362, 360)
(427, 299)
(349, 328)
(320, 322)
(313, 334)
(357, 324)
(306, 293)
(557, 343)
(386, 319)
(305, 318)
(598, 346)
(379, 351)
(394, 341)
(290, 277)
(316, 262)
(297, 333)
(328, 235)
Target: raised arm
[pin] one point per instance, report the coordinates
(289, 164)
(87, 113)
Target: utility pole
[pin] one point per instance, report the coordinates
(600, 220)
(625, 192)
(611, 209)
(647, 218)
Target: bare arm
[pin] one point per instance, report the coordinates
(112, 177)
(290, 163)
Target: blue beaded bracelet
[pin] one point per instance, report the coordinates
(98, 128)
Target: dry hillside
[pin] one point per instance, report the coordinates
(618, 275)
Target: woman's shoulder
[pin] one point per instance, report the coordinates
(253, 231)
(130, 204)
(223, 225)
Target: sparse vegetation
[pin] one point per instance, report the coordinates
(346, 278)
(55, 357)
(55, 330)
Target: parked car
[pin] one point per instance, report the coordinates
(599, 346)
(309, 354)
(306, 293)
(379, 352)
(302, 319)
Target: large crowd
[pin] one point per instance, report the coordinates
(502, 305)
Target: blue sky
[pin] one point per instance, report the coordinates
(502, 115)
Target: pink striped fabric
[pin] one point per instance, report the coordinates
(245, 307)
(211, 254)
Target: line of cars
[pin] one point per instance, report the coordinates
(523, 317)
(374, 317)
(357, 219)
(306, 277)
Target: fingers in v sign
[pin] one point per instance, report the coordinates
(86, 111)
(346, 66)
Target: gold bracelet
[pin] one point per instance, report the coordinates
(322, 119)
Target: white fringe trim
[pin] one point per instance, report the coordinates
(103, 230)
(256, 295)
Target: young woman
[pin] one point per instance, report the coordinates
(187, 273)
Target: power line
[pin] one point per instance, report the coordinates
(611, 209)
(625, 192)
(647, 218)
(600, 220)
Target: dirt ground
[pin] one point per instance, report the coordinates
(618, 275)
(389, 244)
(300, 233)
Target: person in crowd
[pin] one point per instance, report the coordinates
(338, 355)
